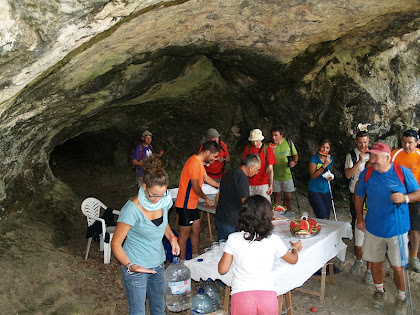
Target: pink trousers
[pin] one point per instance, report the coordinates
(254, 302)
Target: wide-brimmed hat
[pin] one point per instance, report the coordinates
(146, 133)
(255, 135)
(380, 147)
(212, 133)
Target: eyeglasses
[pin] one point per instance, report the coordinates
(156, 196)
(257, 168)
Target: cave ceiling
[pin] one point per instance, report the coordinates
(180, 67)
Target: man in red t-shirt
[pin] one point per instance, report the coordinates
(261, 183)
(190, 182)
(217, 168)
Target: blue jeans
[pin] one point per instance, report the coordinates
(223, 230)
(321, 203)
(138, 285)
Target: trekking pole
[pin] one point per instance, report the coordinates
(294, 184)
(403, 256)
(332, 200)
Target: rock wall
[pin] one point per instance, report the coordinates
(179, 67)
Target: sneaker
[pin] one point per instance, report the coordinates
(378, 299)
(400, 307)
(415, 264)
(356, 266)
(368, 277)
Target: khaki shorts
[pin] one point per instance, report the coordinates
(375, 248)
(139, 181)
(286, 186)
(259, 190)
(359, 235)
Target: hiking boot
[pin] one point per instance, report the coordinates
(356, 266)
(400, 307)
(368, 277)
(378, 299)
(415, 264)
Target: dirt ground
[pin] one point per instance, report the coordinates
(38, 278)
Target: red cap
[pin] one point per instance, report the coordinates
(380, 147)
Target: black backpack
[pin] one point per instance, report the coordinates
(343, 167)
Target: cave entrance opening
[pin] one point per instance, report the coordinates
(96, 164)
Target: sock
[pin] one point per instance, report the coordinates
(380, 287)
(401, 295)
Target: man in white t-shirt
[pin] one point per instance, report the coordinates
(354, 166)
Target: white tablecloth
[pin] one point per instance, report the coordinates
(316, 252)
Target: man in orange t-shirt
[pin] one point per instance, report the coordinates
(409, 156)
(261, 183)
(189, 192)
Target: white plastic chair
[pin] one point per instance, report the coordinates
(91, 208)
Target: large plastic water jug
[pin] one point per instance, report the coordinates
(212, 291)
(201, 303)
(178, 286)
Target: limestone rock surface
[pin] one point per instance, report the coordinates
(108, 70)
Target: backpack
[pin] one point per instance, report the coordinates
(141, 153)
(263, 147)
(397, 168)
(290, 156)
(343, 167)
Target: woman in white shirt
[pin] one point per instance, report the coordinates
(253, 250)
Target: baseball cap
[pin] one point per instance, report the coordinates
(212, 133)
(146, 133)
(411, 133)
(380, 147)
(255, 135)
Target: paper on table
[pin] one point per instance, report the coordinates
(207, 189)
(173, 192)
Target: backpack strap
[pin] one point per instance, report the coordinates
(265, 147)
(220, 145)
(141, 151)
(400, 174)
(290, 142)
(353, 156)
(368, 173)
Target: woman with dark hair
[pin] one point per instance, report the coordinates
(142, 223)
(321, 166)
(253, 250)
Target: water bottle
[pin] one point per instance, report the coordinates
(201, 303)
(211, 290)
(178, 286)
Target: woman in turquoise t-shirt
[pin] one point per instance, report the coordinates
(318, 190)
(142, 223)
